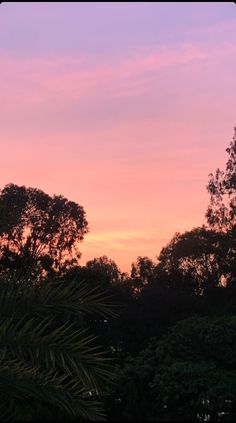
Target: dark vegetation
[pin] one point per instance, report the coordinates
(167, 330)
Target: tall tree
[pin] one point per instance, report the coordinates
(41, 232)
(221, 213)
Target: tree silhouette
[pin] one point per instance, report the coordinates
(221, 213)
(39, 232)
(142, 272)
(194, 261)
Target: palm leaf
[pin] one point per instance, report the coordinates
(54, 297)
(46, 358)
(20, 383)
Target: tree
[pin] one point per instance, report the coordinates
(142, 272)
(42, 233)
(188, 375)
(51, 367)
(194, 261)
(196, 379)
(221, 213)
(131, 398)
(104, 270)
(103, 274)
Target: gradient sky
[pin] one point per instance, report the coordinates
(124, 108)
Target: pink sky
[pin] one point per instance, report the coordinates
(123, 108)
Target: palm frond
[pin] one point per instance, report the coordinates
(64, 347)
(48, 361)
(20, 383)
(54, 297)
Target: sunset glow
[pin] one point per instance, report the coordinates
(124, 108)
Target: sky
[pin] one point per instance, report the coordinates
(124, 108)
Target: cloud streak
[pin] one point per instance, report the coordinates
(41, 79)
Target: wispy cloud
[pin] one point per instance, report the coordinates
(41, 79)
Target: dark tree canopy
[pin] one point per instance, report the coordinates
(196, 379)
(40, 232)
(142, 272)
(189, 375)
(100, 271)
(195, 260)
(104, 269)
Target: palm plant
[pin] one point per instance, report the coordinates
(50, 366)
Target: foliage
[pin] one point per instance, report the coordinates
(99, 271)
(221, 213)
(41, 233)
(197, 378)
(142, 272)
(50, 366)
(187, 376)
(196, 260)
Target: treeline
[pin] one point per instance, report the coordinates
(167, 329)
